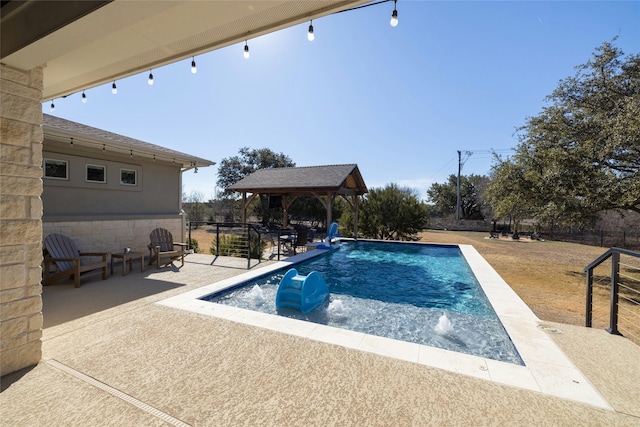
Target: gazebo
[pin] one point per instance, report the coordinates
(322, 182)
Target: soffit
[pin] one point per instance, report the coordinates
(126, 37)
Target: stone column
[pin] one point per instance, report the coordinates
(20, 218)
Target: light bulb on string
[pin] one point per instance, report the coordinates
(394, 15)
(246, 50)
(114, 89)
(150, 81)
(310, 35)
(84, 98)
(193, 66)
(52, 108)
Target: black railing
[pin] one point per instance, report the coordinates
(244, 236)
(623, 286)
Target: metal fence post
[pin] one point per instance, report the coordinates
(589, 311)
(613, 310)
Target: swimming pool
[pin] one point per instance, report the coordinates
(418, 293)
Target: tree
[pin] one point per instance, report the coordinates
(581, 154)
(444, 196)
(508, 192)
(389, 213)
(233, 169)
(196, 210)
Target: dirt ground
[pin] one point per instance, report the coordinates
(548, 276)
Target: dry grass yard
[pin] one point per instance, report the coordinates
(547, 275)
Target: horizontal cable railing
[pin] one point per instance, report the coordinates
(615, 296)
(233, 239)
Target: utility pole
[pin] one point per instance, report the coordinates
(458, 186)
(460, 163)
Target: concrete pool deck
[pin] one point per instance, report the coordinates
(113, 356)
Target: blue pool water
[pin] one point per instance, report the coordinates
(425, 294)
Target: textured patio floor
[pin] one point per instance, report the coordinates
(111, 356)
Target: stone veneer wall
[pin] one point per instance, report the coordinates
(20, 218)
(113, 235)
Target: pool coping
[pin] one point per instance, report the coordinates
(547, 369)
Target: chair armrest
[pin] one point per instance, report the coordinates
(102, 255)
(184, 245)
(60, 259)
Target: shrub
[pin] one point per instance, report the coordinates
(193, 244)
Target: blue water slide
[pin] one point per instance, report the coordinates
(303, 293)
(331, 235)
(333, 231)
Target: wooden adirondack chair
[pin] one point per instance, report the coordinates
(163, 246)
(63, 252)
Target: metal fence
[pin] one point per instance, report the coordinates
(603, 238)
(613, 293)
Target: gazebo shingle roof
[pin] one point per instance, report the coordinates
(339, 179)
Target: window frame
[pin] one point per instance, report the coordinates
(66, 169)
(135, 177)
(104, 173)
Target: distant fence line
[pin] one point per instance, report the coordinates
(627, 239)
(604, 238)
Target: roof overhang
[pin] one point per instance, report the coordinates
(82, 44)
(59, 132)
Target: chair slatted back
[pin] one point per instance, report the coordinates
(301, 238)
(163, 238)
(60, 246)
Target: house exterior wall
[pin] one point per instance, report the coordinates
(21, 218)
(157, 190)
(113, 235)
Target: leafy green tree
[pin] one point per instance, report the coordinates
(388, 213)
(309, 208)
(233, 169)
(445, 196)
(508, 192)
(581, 154)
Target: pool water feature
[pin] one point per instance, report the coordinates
(424, 294)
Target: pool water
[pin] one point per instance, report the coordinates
(425, 294)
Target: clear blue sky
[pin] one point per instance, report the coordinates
(399, 102)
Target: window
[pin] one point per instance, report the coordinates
(128, 177)
(96, 173)
(56, 169)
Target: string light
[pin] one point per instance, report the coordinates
(310, 34)
(75, 142)
(246, 50)
(394, 15)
